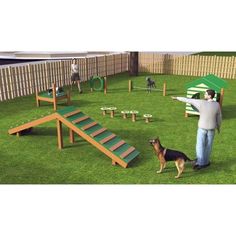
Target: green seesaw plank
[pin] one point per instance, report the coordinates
(103, 135)
(93, 129)
(122, 149)
(76, 116)
(131, 156)
(67, 110)
(112, 142)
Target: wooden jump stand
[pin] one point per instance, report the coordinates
(54, 99)
(111, 109)
(163, 91)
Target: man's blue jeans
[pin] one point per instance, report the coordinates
(204, 145)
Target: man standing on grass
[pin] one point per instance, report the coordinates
(209, 120)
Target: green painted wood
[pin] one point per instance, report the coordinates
(45, 95)
(122, 149)
(131, 156)
(211, 81)
(101, 136)
(67, 110)
(112, 142)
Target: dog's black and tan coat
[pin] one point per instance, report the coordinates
(165, 155)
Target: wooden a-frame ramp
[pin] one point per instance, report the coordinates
(114, 147)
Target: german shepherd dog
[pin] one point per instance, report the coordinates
(165, 155)
(150, 84)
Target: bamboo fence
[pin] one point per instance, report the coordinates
(25, 79)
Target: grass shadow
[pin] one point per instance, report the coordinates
(229, 112)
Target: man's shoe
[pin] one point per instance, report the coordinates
(199, 167)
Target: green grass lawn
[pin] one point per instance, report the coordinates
(35, 158)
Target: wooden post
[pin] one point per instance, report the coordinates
(185, 114)
(72, 137)
(1, 86)
(130, 86)
(106, 65)
(96, 62)
(86, 65)
(36, 96)
(133, 117)
(164, 89)
(10, 82)
(105, 85)
(221, 97)
(112, 113)
(30, 78)
(59, 134)
(54, 96)
(113, 163)
(114, 64)
(62, 72)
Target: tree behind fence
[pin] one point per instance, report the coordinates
(26, 79)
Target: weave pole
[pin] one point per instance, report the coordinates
(164, 89)
(130, 86)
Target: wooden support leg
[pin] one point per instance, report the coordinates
(59, 134)
(221, 97)
(37, 102)
(186, 114)
(133, 117)
(105, 85)
(113, 163)
(164, 89)
(130, 86)
(112, 113)
(54, 96)
(72, 137)
(147, 120)
(55, 104)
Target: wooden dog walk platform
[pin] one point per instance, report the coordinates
(111, 145)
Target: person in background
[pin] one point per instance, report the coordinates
(209, 120)
(75, 78)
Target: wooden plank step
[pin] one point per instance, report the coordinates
(94, 134)
(127, 152)
(114, 147)
(72, 113)
(108, 138)
(80, 119)
(89, 125)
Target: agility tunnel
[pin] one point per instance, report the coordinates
(78, 123)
